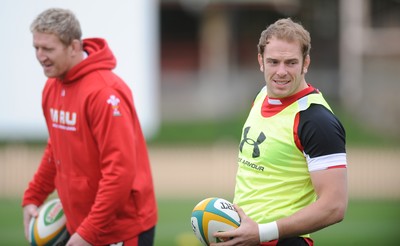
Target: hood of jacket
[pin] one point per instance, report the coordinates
(100, 57)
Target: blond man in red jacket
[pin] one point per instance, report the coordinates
(96, 157)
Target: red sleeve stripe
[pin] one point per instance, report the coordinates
(338, 166)
(295, 132)
(326, 161)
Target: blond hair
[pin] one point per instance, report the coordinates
(61, 22)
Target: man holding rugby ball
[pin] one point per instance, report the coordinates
(292, 177)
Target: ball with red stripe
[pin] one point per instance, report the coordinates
(49, 227)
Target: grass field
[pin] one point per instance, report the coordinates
(367, 222)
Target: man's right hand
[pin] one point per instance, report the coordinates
(29, 211)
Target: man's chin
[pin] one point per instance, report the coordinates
(50, 75)
(278, 93)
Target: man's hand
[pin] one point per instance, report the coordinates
(77, 240)
(245, 235)
(29, 211)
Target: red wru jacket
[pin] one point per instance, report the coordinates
(96, 157)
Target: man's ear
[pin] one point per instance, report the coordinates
(307, 61)
(261, 62)
(76, 46)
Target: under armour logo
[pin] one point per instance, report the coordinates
(254, 143)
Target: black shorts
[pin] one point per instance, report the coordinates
(147, 238)
(293, 241)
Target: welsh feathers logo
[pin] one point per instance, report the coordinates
(114, 102)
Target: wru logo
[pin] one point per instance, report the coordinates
(254, 143)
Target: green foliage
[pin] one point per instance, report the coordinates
(200, 132)
(359, 135)
(367, 222)
(210, 131)
(206, 132)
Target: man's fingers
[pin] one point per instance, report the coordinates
(29, 212)
(240, 211)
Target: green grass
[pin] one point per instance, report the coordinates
(367, 222)
(11, 225)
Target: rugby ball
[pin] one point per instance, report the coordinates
(49, 227)
(213, 215)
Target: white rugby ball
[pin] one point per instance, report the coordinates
(49, 227)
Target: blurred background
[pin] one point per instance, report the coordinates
(192, 66)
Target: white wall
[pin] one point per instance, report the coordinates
(131, 29)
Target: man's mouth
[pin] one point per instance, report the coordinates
(47, 67)
(281, 82)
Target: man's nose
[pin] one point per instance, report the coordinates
(281, 70)
(40, 55)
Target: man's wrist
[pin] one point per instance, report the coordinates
(268, 231)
